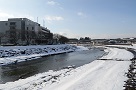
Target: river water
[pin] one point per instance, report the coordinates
(54, 62)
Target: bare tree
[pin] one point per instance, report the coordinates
(63, 39)
(60, 38)
(56, 37)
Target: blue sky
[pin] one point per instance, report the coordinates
(77, 18)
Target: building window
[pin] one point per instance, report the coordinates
(12, 23)
(6, 24)
(27, 28)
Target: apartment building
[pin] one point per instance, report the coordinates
(23, 31)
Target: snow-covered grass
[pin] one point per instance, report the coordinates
(15, 54)
(97, 75)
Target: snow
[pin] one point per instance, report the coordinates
(81, 48)
(118, 54)
(133, 46)
(15, 54)
(97, 75)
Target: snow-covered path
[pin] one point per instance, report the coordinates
(117, 54)
(97, 75)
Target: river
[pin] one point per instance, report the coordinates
(54, 62)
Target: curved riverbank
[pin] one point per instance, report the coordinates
(95, 76)
(15, 54)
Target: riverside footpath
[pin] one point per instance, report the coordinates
(130, 83)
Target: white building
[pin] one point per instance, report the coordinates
(23, 31)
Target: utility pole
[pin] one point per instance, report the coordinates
(37, 19)
(43, 23)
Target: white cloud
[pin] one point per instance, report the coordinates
(56, 4)
(53, 18)
(4, 16)
(68, 33)
(52, 3)
(25, 16)
(81, 14)
(63, 33)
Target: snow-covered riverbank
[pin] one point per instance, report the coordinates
(117, 54)
(15, 54)
(97, 75)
